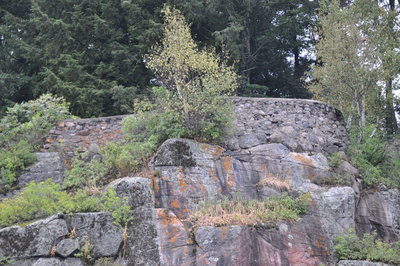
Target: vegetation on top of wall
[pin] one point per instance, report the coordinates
(190, 103)
(255, 213)
(195, 80)
(351, 247)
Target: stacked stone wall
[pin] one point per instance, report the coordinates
(301, 125)
(83, 135)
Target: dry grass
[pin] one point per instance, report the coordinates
(277, 183)
(249, 212)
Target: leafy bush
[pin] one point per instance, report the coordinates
(83, 173)
(250, 212)
(12, 161)
(21, 131)
(43, 199)
(121, 212)
(32, 120)
(351, 247)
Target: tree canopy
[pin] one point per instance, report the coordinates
(358, 61)
(91, 52)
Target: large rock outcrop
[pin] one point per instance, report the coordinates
(278, 146)
(205, 172)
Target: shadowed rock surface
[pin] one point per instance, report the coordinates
(380, 212)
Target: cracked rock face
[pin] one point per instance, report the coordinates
(379, 211)
(253, 173)
(97, 229)
(35, 239)
(279, 145)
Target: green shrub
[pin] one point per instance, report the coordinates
(117, 160)
(32, 120)
(124, 159)
(376, 162)
(351, 247)
(43, 199)
(121, 212)
(22, 130)
(12, 161)
(250, 212)
(335, 159)
(85, 174)
(47, 198)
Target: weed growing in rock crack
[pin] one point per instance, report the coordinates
(250, 212)
(72, 234)
(86, 253)
(53, 250)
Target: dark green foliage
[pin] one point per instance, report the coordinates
(83, 50)
(351, 247)
(260, 36)
(77, 49)
(377, 161)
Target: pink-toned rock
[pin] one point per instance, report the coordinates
(69, 124)
(175, 245)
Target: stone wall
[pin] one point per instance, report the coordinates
(301, 125)
(71, 135)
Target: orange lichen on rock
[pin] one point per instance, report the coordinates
(218, 152)
(154, 184)
(307, 161)
(182, 183)
(227, 166)
(175, 204)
